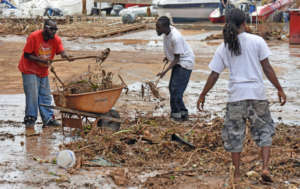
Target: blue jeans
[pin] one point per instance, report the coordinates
(37, 92)
(179, 79)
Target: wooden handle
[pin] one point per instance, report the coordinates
(60, 81)
(123, 82)
(156, 82)
(74, 58)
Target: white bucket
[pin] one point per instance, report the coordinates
(66, 159)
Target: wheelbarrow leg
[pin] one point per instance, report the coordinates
(69, 121)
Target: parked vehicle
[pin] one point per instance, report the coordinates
(261, 13)
(186, 11)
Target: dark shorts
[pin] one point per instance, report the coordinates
(262, 127)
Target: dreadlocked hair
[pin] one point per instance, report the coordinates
(234, 19)
(165, 21)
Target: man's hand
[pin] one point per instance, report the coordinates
(200, 102)
(49, 62)
(69, 58)
(63, 54)
(282, 97)
(161, 74)
(44, 63)
(165, 60)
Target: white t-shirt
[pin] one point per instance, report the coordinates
(246, 75)
(174, 43)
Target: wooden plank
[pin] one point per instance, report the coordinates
(148, 2)
(88, 114)
(122, 30)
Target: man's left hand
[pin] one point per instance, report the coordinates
(69, 58)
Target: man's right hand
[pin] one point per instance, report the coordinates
(165, 60)
(282, 97)
(45, 63)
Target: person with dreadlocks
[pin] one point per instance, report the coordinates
(246, 56)
(182, 59)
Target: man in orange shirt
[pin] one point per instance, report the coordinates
(39, 51)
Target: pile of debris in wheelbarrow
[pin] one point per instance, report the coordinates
(96, 79)
(90, 95)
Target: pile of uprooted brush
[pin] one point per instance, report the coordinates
(185, 150)
(91, 81)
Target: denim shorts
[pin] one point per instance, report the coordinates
(262, 127)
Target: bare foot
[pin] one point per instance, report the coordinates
(266, 176)
(237, 177)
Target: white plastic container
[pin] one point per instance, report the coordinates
(66, 159)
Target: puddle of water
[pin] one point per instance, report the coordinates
(19, 170)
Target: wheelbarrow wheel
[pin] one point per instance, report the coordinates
(115, 126)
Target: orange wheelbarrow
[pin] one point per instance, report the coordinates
(75, 108)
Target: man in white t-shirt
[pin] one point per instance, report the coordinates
(246, 57)
(182, 59)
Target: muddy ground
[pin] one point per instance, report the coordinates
(144, 154)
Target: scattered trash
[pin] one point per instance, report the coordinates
(66, 159)
(252, 174)
(119, 176)
(177, 138)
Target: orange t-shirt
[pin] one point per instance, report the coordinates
(44, 49)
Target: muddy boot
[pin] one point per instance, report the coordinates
(52, 123)
(29, 121)
(176, 117)
(184, 116)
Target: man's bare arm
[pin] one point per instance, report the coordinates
(37, 60)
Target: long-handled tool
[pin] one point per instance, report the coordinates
(99, 58)
(56, 76)
(153, 85)
(157, 80)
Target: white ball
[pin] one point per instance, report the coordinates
(66, 159)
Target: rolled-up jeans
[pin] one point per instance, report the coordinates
(179, 80)
(37, 91)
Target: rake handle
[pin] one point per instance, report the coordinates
(157, 80)
(74, 58)
(56, 76)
